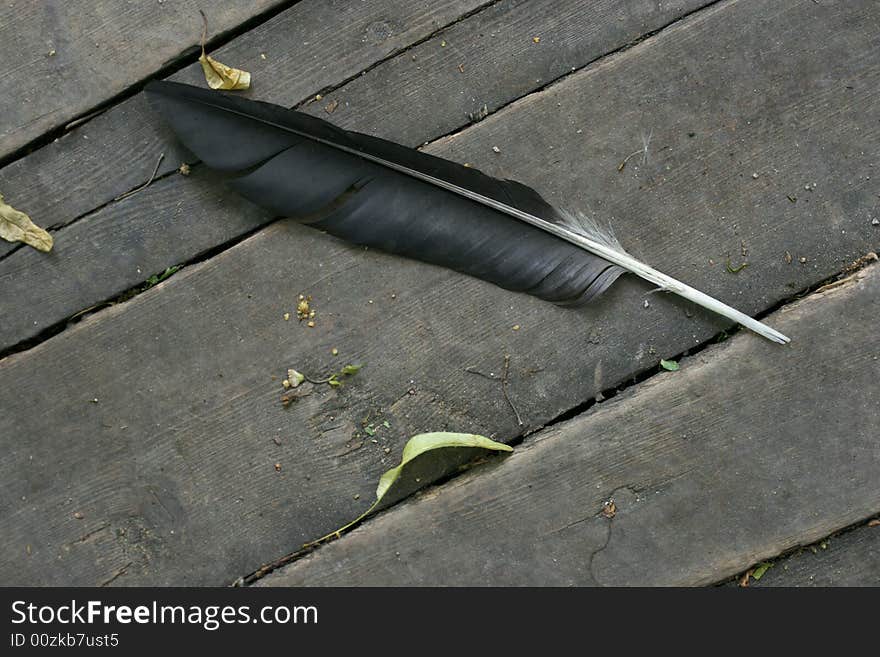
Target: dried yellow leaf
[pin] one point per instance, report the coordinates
(16, 226)
(221, 76)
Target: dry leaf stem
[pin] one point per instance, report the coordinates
(503, 379)
(217, 74)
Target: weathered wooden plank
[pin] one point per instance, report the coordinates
(852, 559)
(746, 452)
(110, 160)
(61, 59)
(306, 48)
(478, 66)
(202, 442)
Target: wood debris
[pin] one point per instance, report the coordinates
(609, 509)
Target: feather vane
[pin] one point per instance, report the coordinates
(380, 194)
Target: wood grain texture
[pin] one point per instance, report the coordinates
(480, 65)
(313, 45)
(747, 451)
(176, 459)
(62, 59)
(852, 559)
(307, 47)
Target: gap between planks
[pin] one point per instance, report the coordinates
(181, 64)
(239, 571)
(350, 555)
(178, 62)
(846, 277)
(332, 88)
(850, 534)
(510, 105)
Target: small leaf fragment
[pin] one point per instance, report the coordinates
(670, 365)
(351, 370)
(760, 569)
(16, 226)
(294, 378)
(155, 279)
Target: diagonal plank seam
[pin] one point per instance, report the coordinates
(572, 401)
(271, 566)
(595, 62)
(123, 297)
(329, 89)
(394, 54)
(182, 63)
(841, 279)
(184, 59)
(220, 248)
(843, 531)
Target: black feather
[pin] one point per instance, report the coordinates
(286, 163)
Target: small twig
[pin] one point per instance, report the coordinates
(621, 166)
(146, 184)
(491, 376)
(338, 533)
(83, 119)
(504, 390)
(333, 379)
(319, 382)
(89, 309)
(646, 144)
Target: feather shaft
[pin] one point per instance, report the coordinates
(614, 256)
(598, 248)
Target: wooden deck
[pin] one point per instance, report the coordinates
(143, 436)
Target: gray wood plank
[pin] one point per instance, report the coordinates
(62, 59)
(168, 425)
(483, 64)
(308, 47)
(852, 559)
(747, 451)
(110, 158)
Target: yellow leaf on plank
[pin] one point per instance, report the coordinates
(423, 446)
(16, 226)
(221, 76)
(218, 75)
